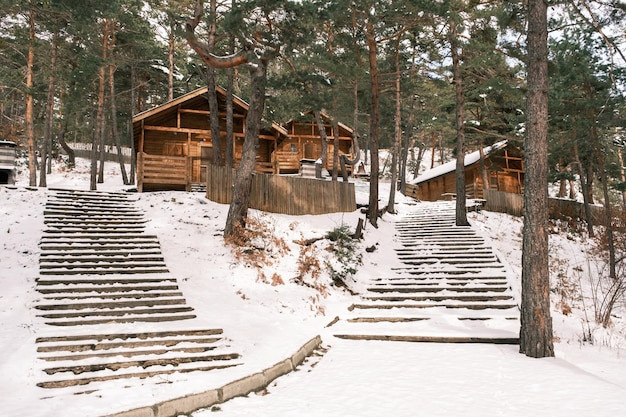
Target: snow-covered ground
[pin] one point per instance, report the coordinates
(267, 323)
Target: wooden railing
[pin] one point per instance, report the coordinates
(285, 194)
(287, 161)
(162, 170)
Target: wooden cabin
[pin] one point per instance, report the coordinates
(173, 141)
(504, 165)
(303, 142)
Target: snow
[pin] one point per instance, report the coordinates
(266, 324)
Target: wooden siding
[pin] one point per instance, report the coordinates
(304, 142)
(181, 128)
(505, 170)
(285, 194)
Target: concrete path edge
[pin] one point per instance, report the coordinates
(238, 388)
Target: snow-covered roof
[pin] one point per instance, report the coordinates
(448, 167)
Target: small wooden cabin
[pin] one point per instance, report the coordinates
(173, 141)
(303, 142)
(504, 164)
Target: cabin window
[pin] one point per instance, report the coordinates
(292, 148)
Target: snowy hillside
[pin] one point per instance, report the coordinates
(268, 319)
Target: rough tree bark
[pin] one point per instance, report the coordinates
(319, 164)
(584, 185)
(114, 131)
(536, 322)
(372, 213)
(238, 210)
(214, 116)
(461, 213)
(97, 142)
(257, 65)
(30, 124)
(398, 133)
(47, 135)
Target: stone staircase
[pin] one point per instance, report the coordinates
(114, 310)
(450, 287)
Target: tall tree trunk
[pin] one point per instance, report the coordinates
(47, 133)
(622, 175)
(409, 128)
(240, 201)
(171, 47)
(29, 116)
(114, 132)
(98, 137)
(562, 181)
(483, 167)
(608, 217)
(214, 118)
(584, 185)
(356, 150)
(71, 155)
(461, 211)
(536, 321)
(214, 112)
(133, 100)
(321, 162)
(335, 171)
(372, 47)
(229, 118)
(397, 134)
(230, 129)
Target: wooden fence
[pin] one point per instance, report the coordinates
(513, 204)
(291, 195)
(83, 150)
(502, 202)
(558, 208)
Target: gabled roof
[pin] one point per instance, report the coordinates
(325, 116)
(448, 167)
(198, 95)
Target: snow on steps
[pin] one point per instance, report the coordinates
(100, 271)
(450, 287)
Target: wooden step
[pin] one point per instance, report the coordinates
(434, 289)
(441, 298)
(71, 260)
(433, 339)
(140, 375)
(119, 312)
(99, 289)
(112, 305)
(154, 318)
(107, 270)
(468, 305)
(114, 296)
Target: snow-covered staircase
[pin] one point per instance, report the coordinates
(113, 309)
(449, 287)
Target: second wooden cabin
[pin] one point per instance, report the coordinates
(303, 142)
(504, 165)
